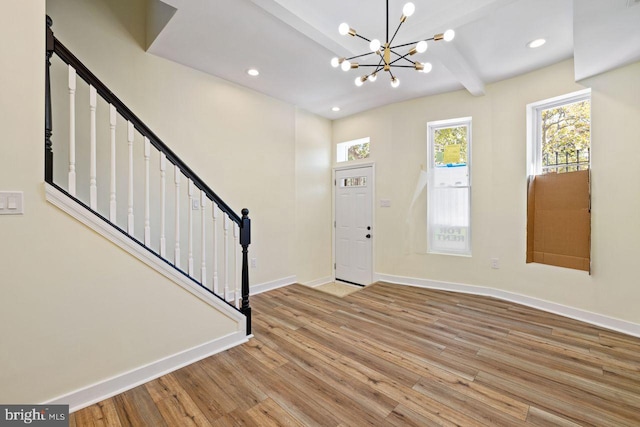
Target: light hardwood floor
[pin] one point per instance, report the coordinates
(398, 356)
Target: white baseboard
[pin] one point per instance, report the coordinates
(120, 383)
(274, 284)
(596, 319)
(318, 282)
(105, 229)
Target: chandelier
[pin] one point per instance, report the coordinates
(383, 52)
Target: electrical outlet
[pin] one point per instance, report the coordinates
(254, 262)
(195, 204)
(495, 263)
(385, 203)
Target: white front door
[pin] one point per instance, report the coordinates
(354, 234)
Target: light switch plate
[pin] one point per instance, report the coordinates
(11, 202)
(385, 203)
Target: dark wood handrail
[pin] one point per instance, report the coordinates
(86, 75)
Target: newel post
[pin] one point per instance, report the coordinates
(245, 241)
(48, 121)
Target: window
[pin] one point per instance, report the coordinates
(356, 181)
(558, 196)
(352, 150)
(449, 186)
(560, 134)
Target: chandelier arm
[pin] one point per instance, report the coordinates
(359, 56)
(363, 38)
(401, 57)
(412, 43)
(378, 67)
(401, 66)
(394, 34)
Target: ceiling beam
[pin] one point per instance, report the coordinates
(274, 8)
(451, 58)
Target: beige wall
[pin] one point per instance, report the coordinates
(313, 198)
(228, 135)
(75, 308)
(398, 147)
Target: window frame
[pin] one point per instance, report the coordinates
(534, 116)
(432, 127)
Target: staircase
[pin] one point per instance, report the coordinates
(106, 180)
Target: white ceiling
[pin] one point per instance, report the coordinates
(292, 41)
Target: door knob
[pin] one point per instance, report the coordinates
(368, 236)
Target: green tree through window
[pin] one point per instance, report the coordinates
(359, 151)
(565, 135)
(450, 136)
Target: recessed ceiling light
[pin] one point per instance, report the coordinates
(536, 43)
(253, 72)
(335, 109)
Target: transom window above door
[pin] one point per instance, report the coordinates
(352, 150)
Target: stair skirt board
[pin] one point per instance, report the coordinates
(105, 389)
(596, 319)
(105, 229)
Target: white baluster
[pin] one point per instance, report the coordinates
(163, 199)
(72, 131)
(112, 186)
(203, 221)
(147, 222)
(130, 208)
(190, 190)
(93, 188)
(226, 258)
(214, 214)
(236, 282)
(177, 247)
